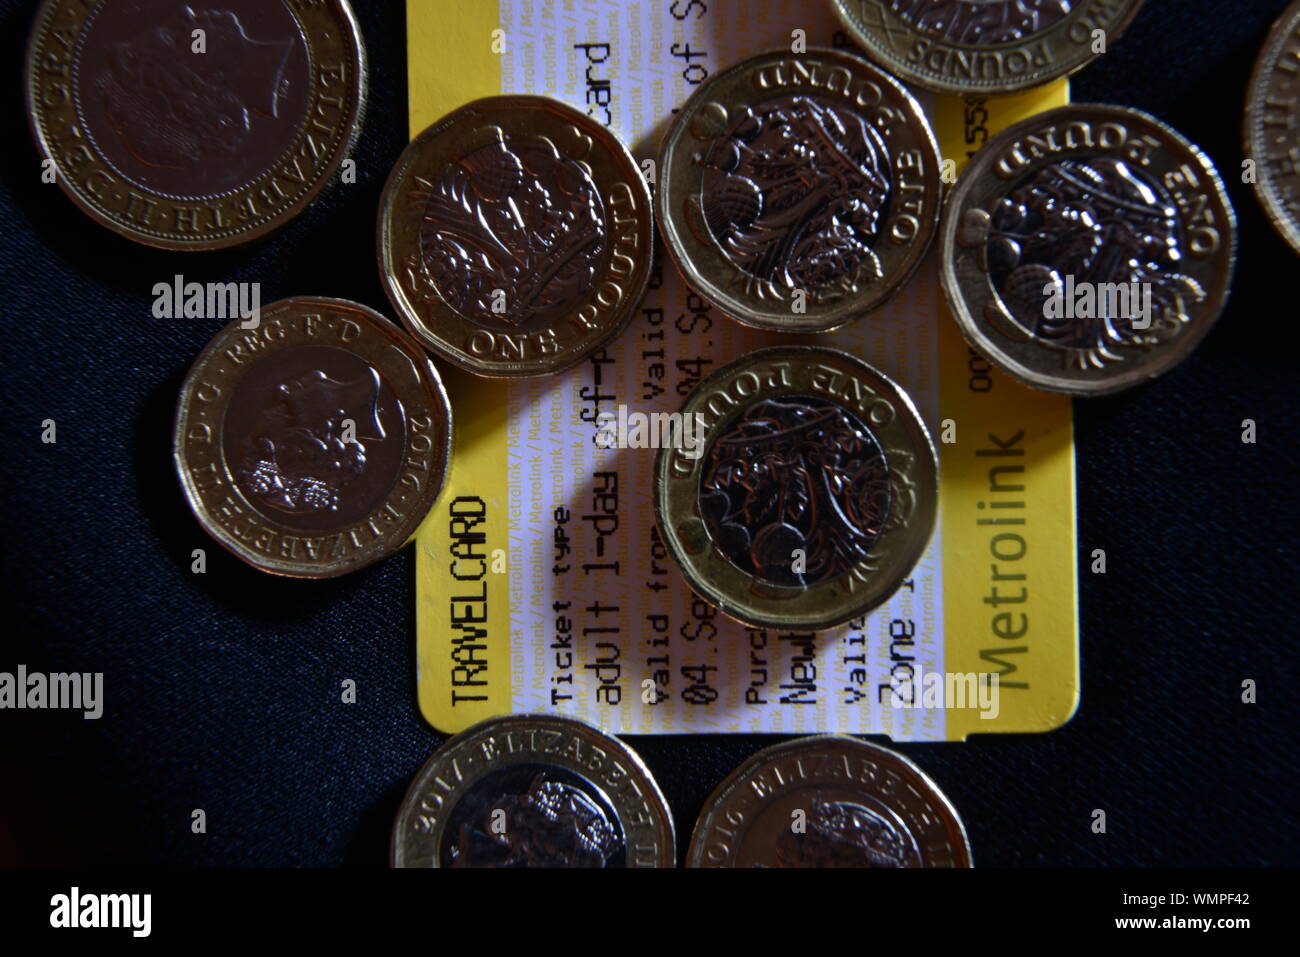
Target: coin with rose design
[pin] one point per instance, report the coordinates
(811, 495)
(1088, 249)
(798, 192)
(828, 801)
(313, 441)
(515, 236)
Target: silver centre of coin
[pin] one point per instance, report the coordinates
(514, 231)
(794, 193)
(795, 476)
(534, 815)
(1100, 221)
(981, 22)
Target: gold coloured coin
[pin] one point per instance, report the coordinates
(515, 236)
(811, 495)
(828, 801)
(799, 192)
(1273, 125)
(533, 791)
(188, 128)
(985, 46)
(1088, 249)
(315, 443)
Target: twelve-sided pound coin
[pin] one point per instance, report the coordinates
(811, 495)
(515, 236)
(828, 801)
(985, 46)
(1273, 125)
(799, 192)
(315, 443)
(1088, 249)
(193, 127)
(533, 791)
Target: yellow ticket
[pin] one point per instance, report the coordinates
(542, 585)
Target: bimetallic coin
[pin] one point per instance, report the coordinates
(985, 46)
(828, 801)
(811, 496)
(315, 443)
(194, 127)
(533, 791)
(799, 192)
(515, 236)
(1088, 249)
(1273, 125)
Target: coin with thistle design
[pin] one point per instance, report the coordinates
(984, 46)
(812, 496)
(799, 192)
(515, 236)
(1088, 249)
(314, 443)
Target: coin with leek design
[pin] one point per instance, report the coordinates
(533, 791)
(193, 126)
(799, 192)
(809, 495)
(515, 236)
(314, 443)
(984, 46)
(1273, 125)
(1088, 249)
(828, 801)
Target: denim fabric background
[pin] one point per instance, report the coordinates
(223, 690)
